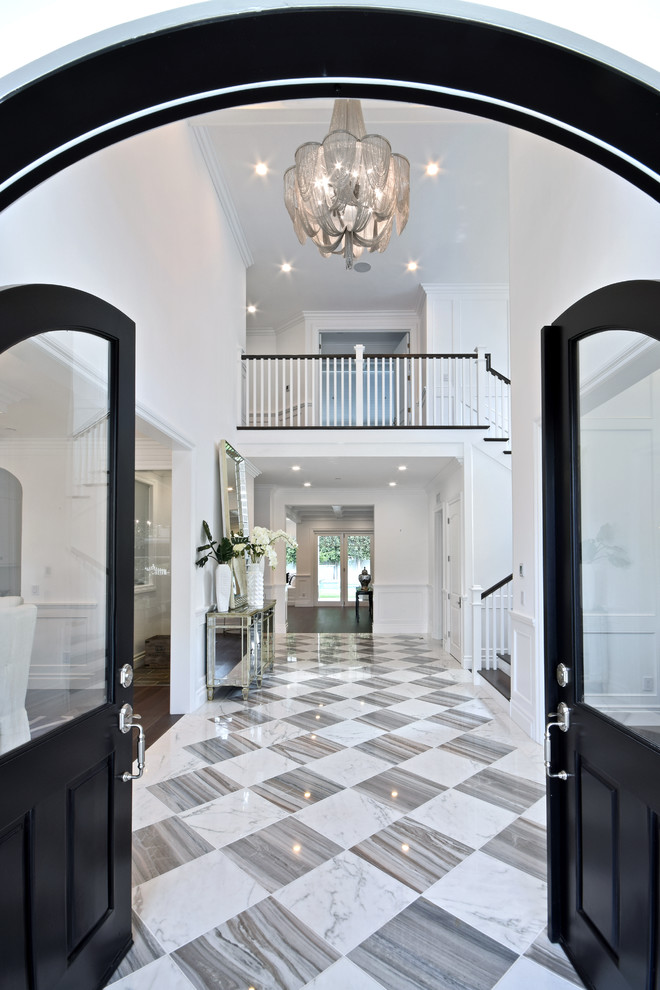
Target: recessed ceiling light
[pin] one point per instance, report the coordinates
(361, 267)
(392, 484)
(252, 309)
(412, 266)
(261, 168)
(402, 467)
(307, 484)
(295, 467)
(432, 168)
(286, 267)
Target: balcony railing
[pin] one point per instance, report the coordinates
(443, 391)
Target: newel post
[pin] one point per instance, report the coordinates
(359, 383)
(476, 603)
(483, 417)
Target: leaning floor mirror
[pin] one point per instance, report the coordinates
(234, 506)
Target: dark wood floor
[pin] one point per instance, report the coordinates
(153, 704)
(328, 619)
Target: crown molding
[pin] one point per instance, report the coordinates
(467, 290)
(219, 182)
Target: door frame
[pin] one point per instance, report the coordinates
(343, 565)
(612, 307)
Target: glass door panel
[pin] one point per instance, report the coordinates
(358, 549)
(329, 570)
(619, 458)
(54, 460)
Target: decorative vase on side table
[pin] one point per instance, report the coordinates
(223, 587)
(255, 583)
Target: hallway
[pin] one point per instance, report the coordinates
(369, 819)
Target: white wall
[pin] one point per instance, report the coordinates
(139, 225)
(401, 553)
(574, 227)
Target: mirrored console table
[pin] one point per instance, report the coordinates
(240, 647)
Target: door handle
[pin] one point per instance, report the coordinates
(126, 723)
(563, 716)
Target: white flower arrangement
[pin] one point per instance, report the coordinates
(261, 543)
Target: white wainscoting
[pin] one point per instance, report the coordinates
(527, 686)
(401, 608)
(199, 677)
(68, 652)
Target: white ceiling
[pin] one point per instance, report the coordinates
(457, 233)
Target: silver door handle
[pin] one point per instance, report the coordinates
(563, 716)
(126, 723)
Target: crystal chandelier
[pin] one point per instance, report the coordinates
(346, 192)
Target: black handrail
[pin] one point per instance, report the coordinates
(496, 587)
(329, 357)
(497, 374)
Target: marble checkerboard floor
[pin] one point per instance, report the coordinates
(368, 820)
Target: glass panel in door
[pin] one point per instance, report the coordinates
(619, 451)
(53, 532)
(329, 570)
(358, 549)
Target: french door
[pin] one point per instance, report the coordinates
(601, 417)
(66, 620)
(340, 559)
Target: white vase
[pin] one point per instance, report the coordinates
(255, 583)
(223, 583)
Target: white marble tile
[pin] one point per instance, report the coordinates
(537, 813)
(524, 763)
(290, 690)
(260, 764)
(296, 674)
(285, 707)
(502, 729)
(402, 675)
(475, 706)
(345, 900)
(350, 733)
(409, 689)
(350, 708)
(147, 809)
(417, 707)
(181, 905)
(349, 766)
(270, 733)
(158, 975)
(525, 974)
(343, 973)
(351, 690)
(429, 733)
(473, 891)
(163, 763)
(232, 816)
(442, 767)
(463, 817)
(348, 817)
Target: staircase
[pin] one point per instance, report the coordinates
(491, 635)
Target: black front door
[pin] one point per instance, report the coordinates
(601, 418)
(66, 620)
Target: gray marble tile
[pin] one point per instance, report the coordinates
(280, 853)
(215, 750)
(191, 789)
(552, 957)
(522, 844)
(400, 789)
(504, 790)
(457, 719)
(306, 748)
(413, 853)
(163, 846)
(264, 947)
(425, 948)
(377, 683)
(296, 789)
(484, 750)
(315, 718)
(386, 719)
(144, 950)
(383, 698)
(321, 698)
(393, 748)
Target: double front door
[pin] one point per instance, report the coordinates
(341, 558)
